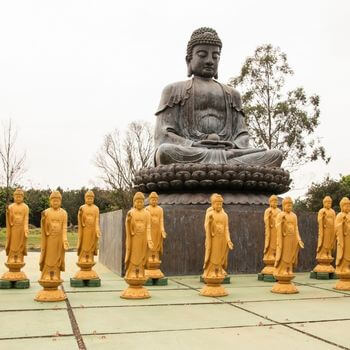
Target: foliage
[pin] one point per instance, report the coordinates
(120, 157)
(336, 189)
(279, 119)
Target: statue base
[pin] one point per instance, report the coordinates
(226, 280)
(81, 283)
(213, 287)
(86, 272)
(269, 268)
(135, 289)
(156, 282)
(323, 275)
(324, 265)
(344, 281)
(21, 284)
(284, 285)
(50, 291)
(14, 273)
(266, 277)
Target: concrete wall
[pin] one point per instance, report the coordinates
(184, 246)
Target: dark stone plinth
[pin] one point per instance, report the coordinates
(156, 282)
(184, 246)
(95, 282)
(22, 284)
(323, 275)
(266, 278)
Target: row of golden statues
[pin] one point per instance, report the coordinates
(144, 244)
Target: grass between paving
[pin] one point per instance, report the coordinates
(34, 238)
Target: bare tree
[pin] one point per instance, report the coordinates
(12, 162)
(120, 157)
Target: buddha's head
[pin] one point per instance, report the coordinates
(18, 196)
(273, 201)
(345, 205)
(287, 204)
(89, 197)
(216, 202)
(327, 202)
(203, 53)
(139, 200)
(153, 199)
(55, 199)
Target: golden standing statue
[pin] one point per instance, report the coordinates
(270, 217)
(54, 243)
(326, 237)
(217, 245)
(138, 240)
(158, 234)
(287, 250)
(88, 235)
(342, 230)
(17, 217)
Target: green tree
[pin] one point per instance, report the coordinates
(336, 189)
(276, 118)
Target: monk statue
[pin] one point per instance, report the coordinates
(217, 245)
(88, 235)
(270, 216)
(326, 238)
(342, 230)
(138, 240)
(158, 234)
(17, 217)
(287, 250)
(201, 120)
(54, 243)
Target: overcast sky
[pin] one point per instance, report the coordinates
(71, 71)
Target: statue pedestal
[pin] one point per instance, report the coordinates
(344, 281)
(213, 287)
(50, 291)
(153, 268)
(86, 272)
(14, 273)
(284, 285)
(323, 270)
(135, 289)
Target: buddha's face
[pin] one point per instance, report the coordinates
(18, 198)
(288, 207)
(89, 200)
(217, 205)
(205, 60)
(346, 207)
(327, 204)
(153, 201)
(55, 203)
(273, 203)
(139, 204)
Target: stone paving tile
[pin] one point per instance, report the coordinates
(335, 331)
(302, 310)
(247, 338)
(53, 343)
(34, 323)
(168, 317)
(330, 286)
(165, 297)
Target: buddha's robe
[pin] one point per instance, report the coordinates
(326, 233)
(53, 234)
(88, 231)
(342, 229)
(157, 230)
(217, 236)
(138, 232)
(270, 217)
(288, 238)
(17, 217)
(190, 111)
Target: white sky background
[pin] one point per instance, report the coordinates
(71, 71)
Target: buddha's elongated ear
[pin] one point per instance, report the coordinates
(189, 70)
(216, 76)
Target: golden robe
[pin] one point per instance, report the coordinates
(326, 232)
(270, 217)
(342, 229)
(157, 228)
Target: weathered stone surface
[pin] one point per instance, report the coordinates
(184, 246)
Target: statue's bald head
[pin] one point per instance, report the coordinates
(203, 35)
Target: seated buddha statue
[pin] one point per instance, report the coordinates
(201, 120)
